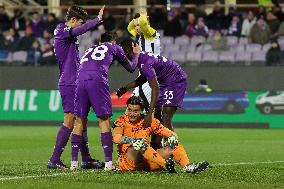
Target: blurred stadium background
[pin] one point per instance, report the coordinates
(229, 44)
(226, 43)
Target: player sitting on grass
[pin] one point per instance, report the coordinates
(134, 151)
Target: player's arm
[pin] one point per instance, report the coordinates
(74, 32)
(118, 130)
(153, 83)
(119, 138)
(158, 129)
(129, 65)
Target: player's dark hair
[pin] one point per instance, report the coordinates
(136, 100)
(137, 15)
(76, 12)
(107, 37)
(126, 45)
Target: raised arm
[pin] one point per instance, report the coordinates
(88, 25)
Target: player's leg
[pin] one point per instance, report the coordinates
(153, 156)
(67, 96)
(156, 139)
(100, 99)
(167, 116)
(82, 107)
(130, 159)
(180, 157)
(87, 161)
(76, 142)
(106, 140)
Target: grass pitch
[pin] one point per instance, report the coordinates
(240, 158)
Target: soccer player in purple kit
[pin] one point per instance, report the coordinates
(67, 54)
(93, 91)
(167, 80)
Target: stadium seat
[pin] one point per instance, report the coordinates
(179, 56)
(197, 40)
(167, 40)
(243, 40)
(243, 58)
(210, 56)
(227, 56)
(232, 40)
(281, 42)
(253, 48)
(204, 47)
(265, 47)
(239, 48)
(5, 57)
(258, 58)
(171, 48)
(182, 40)
(19, 56)
(190, 48)
(194, 57)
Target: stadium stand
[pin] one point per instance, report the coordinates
(16, 41)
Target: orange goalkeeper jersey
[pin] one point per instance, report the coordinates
(122, 127)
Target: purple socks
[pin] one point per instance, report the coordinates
(85, 147)
(61, 141)
(106, 141)
(76, 145)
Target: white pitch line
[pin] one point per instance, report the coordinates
(248, 163)
(41, 176)
(69, 173)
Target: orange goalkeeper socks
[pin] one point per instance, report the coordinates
(151, 155)
(180, 155)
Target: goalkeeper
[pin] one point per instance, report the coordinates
(134, 151)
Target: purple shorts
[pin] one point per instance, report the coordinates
(67, 93)
(95, 94)
(173, 94)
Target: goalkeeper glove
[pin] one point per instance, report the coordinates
(140, 145)
(173, 140)
(137, 143)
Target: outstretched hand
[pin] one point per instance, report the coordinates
(101, 13)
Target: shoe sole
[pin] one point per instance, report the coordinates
(202, 168)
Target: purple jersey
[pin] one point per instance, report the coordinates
(66, 49)
(98, 59)
(167, 71)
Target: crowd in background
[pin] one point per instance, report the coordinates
(34, 32)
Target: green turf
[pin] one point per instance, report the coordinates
(25, 151)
